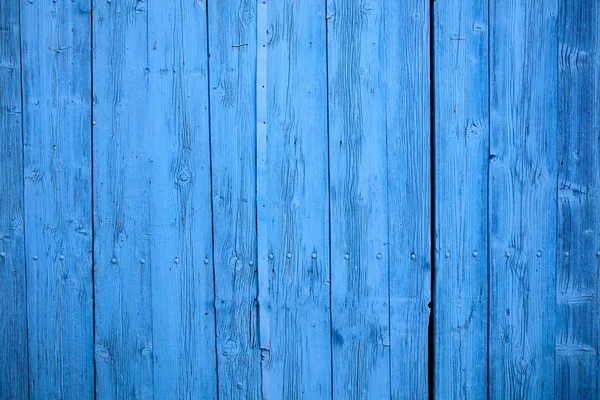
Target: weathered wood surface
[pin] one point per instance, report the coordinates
(239, 199)
(359, 207)
(406, 76)
(577, 374)
(123, 204)
(522, 197)
(232, 49)
(461, 213)
(13, 290)
(57, 147)
(297, 203)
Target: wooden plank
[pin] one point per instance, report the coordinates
(13, 288)
(579, 199)
(56, 50)
(461, 165)
(123, 203)
(180, 203)
(358, 203)
(232, 48)
(522, 197)
(408, 124)
(297, 223)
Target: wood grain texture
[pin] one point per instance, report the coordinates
(577, 323)
(461, 165)
(180, 203)
(123, 204)
(522, 197)
(232, 48)
(406, 57)
(358, 213)
(56, 75)
(14, 378)
(298, 203)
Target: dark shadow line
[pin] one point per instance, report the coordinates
(212, 212)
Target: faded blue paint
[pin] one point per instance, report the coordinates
(246, 199)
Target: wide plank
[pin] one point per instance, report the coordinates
(578, 238)
(57, 147)
(183, 318)
(358, 199)
(408, 132)
(232, 65)
(123, 203)
(522, 197)
(461, 198)
(297, 203)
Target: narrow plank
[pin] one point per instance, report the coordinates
(358, 203)
(180, 203)
(123, 203)
(408, 124)
(579, 199)
(522, 197)
(461, 165)
(56, 75)
(232, 66)
(13, 288)
(297, 200)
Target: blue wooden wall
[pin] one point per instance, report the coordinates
(349, 199)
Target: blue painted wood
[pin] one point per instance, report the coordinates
(407, 71)
(232, 48)
(297, 204)
(183, 320)
(56, 79)
(577, 373)
(522, 197)
(124, 214)
(359, 207)
(461, 214)
(13, 290)
(262, 213)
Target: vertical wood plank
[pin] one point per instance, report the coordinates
(298, 203)
(13, 290)
(180, 202)
(406, 45)
(123, 204)
(522, 197)
(358, 178)
(461, 165)
(578, 194)
(56, 49)
(232, 48)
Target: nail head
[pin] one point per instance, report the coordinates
(289, 255)
(176, 260)
(250, 263)
(347, 256)
(206, 261)
(271, 256)
(413, 256)
(539, 253)
(447, 254)
(142, 261)
(62, 257)
(379, 256)
(35, 257)
(475, 254)
(113, 260)
(314, 256)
